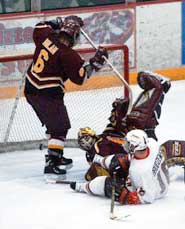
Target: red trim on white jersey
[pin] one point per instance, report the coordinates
(147, 151)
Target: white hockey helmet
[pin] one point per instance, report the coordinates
(136, 140)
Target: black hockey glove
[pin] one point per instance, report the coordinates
(119, 165)
(98, 61)
(56, 24)
(89, 156)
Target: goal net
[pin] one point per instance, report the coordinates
(87, 105)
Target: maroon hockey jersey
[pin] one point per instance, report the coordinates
(53, 63)
(105, 146)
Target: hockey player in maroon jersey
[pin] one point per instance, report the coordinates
(103, 145)
(144, 115)
(54, 62)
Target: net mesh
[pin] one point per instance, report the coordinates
(87, 105)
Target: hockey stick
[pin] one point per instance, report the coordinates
(113, 68)
(50, 181)
(114, 216)
(112, 204)
(15, 105)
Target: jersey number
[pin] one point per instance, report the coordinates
(39, 65)
(44, 55)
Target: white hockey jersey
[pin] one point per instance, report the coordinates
(149, 176)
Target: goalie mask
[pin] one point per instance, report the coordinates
(71, 28)
(136, 140)
(86, 138)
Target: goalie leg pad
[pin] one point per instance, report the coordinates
(148, 80)
(174, 152)
(94, 171)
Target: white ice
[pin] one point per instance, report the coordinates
(27, 202)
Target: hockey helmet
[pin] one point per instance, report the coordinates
(71, 27)
(86, 138)
(136, 140)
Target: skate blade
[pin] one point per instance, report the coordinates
(66, 167)
(54, 177)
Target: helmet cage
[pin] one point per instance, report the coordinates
(72, 29)
(86, 142)
(86, 138)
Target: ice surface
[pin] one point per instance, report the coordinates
(27, 202)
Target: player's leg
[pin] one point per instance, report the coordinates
(94, 187)
(146, 110)
(174, 152)
(99, 186)
(95, 170)
(57, 124)
(53, 114)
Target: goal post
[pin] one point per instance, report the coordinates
(88, 105)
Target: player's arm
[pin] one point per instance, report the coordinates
(118, 164)
(78, 70)
(139, 195)
(55, 24)
(44, 28)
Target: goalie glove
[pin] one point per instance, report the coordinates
(98, 61)
(118, 113)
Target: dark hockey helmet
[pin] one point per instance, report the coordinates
(86, 138)
(71, 28)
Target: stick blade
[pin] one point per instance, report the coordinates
(112, 216)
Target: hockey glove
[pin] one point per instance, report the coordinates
(98, 61)
(56, 24)
(89, 156)
(118, 113)
(119, 165)
(128, 197)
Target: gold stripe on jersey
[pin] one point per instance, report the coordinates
(43, 78)
(44, 81)
(117, 140)
(42, 26)
(45, 86)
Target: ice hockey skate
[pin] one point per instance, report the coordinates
(60, 161)
(52, 170)
(78, 187)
